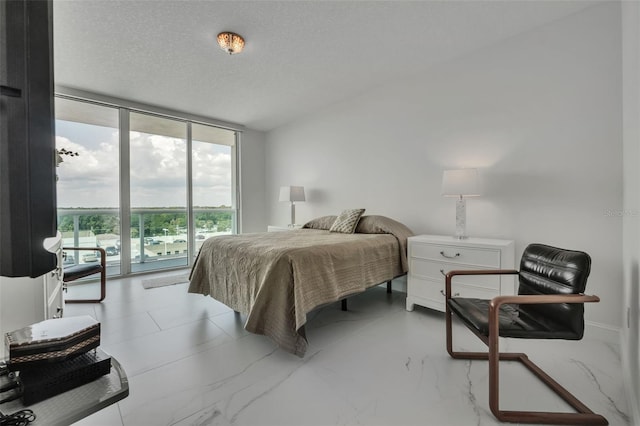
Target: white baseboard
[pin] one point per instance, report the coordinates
(614, 336)
(603, 332)
(632, 397)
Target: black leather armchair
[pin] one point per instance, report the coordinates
(549, 305)
(81, 270)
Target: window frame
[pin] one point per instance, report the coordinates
(125, 108)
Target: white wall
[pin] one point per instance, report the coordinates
(631, 227)
(22, 303)
(252, 171)
(539, 114)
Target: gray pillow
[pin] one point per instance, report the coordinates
(381, 225)
(322, 222)
(347, 221)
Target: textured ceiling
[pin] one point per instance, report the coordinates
(300, 56)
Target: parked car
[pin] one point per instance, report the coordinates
(111, 250)
(179, 240)
(90, 257)
(200, 237)
(147, 258)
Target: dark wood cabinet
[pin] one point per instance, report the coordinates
(27, 138)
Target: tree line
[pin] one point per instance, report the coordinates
(154, 223)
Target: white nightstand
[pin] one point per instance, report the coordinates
(432, 256)
(277, 228)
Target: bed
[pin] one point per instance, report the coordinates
(277, 278)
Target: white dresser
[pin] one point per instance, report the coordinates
(432, 256)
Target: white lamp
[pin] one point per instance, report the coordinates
(292, 194)
(460, 183)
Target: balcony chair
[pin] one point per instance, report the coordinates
(77, 271)
(549, 305)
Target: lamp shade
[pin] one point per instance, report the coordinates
(292, 193)
(460, 182)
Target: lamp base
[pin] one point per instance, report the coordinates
(293, 215)
(461, 219)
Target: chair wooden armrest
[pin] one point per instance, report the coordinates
(449, 275)
(530, 299)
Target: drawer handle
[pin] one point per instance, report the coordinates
(443, 293)
(449, 257)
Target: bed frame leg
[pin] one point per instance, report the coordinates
(344, 301)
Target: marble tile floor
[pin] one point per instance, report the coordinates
(189, 362)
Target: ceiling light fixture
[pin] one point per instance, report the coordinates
(231, 43)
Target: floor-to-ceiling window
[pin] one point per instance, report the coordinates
(213, 186)
(164, 182)
(88, 172)
(158, 191)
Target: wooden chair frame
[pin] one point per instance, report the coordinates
(583, 415)
(103, 275)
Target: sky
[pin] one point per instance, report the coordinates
(158, 169)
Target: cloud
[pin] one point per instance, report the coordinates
(91, 178)
(158, 172)
(101, 162)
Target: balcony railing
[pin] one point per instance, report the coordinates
(159, 236)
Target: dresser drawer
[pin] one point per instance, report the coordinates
(434, 291)
(436, 271)
(456, 254)
(431, 257)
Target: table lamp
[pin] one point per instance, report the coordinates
(292, 194)
(460, 183)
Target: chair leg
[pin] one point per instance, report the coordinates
(103, 290)
(582, 416)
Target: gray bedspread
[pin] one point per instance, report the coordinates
(277, 278)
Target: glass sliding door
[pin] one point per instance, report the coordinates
(88, 173)
(213, 188)
(158, 192)
(147, 188)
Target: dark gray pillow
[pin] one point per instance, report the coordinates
(381, 225)
(323, 222)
